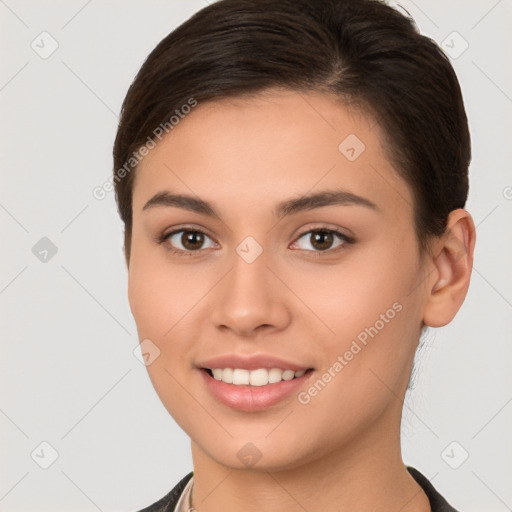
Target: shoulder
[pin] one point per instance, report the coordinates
(437, 502)
(168, 502)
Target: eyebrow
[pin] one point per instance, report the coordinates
(285, 208)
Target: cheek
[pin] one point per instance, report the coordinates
(353, 295)
(166, 300)
(365, 313)
(159, 293)
(160, 296)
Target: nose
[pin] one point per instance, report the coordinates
(250, 299)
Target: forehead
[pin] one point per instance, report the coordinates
(258, 149)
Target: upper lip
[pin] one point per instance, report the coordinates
(250, 362)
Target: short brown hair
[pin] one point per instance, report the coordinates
(363, 51)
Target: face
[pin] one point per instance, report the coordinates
(242, 271)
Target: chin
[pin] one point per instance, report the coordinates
(259, 454)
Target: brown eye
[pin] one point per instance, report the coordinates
(322, 240)
(192, 240)
(188, 240)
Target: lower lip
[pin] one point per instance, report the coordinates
(253, 398)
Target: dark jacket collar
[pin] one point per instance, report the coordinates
(437, 502)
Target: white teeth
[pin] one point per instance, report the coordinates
(227, 375)
(259, 377)
(288, 374)
(275, 375)
(240, 377)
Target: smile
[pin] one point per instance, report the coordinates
(254, 390)
(258, 377)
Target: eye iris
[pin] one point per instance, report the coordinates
(322, 239)
(192, 240)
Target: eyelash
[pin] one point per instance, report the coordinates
(162, 239)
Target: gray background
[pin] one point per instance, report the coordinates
(69, 376)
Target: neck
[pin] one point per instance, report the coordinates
(366, 473)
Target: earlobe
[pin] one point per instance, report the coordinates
(453, 262)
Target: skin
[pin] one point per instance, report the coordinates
(244, 156)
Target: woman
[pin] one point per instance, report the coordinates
(292, 178)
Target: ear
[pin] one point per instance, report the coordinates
(448, 282)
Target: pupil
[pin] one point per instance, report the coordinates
(322, 240)
(192, 240)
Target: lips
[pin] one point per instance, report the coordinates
(244, 395)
